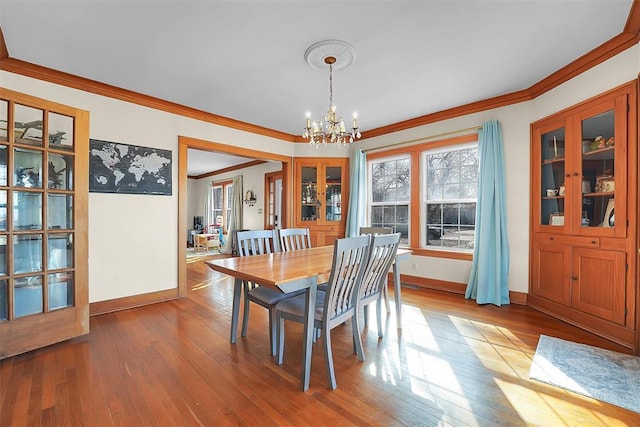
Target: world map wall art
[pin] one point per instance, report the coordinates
(129, 169)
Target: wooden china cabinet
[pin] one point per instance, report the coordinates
(43, 222)
(321, 197)
(583, 221)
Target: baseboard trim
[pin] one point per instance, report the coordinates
(124, 303)
(453, 287)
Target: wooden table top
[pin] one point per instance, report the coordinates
(281, 269)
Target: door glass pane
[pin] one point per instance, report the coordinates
(4, 300)
(60, 131)
(598, 170)
(60, 172)
(333, 193)
(552, 176)
(60, 251)
(28, 125)
(3, 255)
(59, 211)
(27, 292)
(4, 120)
(27, 253)
(27, 168)
(27, 210)
(60, 287)
(3, 165)
(3, 210)
(309, 189)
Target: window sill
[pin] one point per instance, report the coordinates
(465, 256)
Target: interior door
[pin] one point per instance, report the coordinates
(43, 223)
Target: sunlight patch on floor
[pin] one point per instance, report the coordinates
(528, 403)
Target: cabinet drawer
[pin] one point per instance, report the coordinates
(562, 239)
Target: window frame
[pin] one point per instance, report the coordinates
(371, 203)
(414, 151)
(423, 194)
(226, 203)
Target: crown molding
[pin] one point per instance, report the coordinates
(610, 48)
(228, 169)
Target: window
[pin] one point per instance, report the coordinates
(222, 192)
(450, 188)
(390, 194)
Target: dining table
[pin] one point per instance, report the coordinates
(292, 271)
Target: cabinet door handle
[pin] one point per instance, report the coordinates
(574, 278)
(567, 175)
(575, 174)
(551, 238)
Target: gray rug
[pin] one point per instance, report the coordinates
(601, 374)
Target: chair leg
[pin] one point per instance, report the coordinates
(385, 293)
(329, 358)
(379, 316)
(245, 314)
(273, 323)
(280, 338)
(366, 315)
(357, 339)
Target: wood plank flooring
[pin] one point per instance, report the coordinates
(171, 364)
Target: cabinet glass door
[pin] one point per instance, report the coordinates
(333, 193)
(553, 178)
(309, 194)
(598, 170)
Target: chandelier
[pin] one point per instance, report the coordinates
(331, 128)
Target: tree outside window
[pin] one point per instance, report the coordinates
(451, 189)
(390, 195)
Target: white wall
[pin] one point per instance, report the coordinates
(133, 238)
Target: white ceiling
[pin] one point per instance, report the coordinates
(245, 59)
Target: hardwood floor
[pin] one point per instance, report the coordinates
(456, 364)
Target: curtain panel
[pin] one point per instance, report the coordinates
(488, 281)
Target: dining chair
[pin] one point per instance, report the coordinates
(380, 230)
(336, 305)
(293, 239)
(382, 253)
(259, 242)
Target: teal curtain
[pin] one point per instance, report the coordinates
(488, 281)
(357, 213)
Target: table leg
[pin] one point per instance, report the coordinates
(235, 310)
(307, 342)
(397, 294)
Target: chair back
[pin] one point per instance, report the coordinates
(382, 253)
(256, 242)
(349, 261)
(376, 230)
(293, 239)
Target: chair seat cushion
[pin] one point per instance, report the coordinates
(269, 296)
(295, 306)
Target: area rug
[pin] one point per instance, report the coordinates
(594, 372)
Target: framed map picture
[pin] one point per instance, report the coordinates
(130, 169)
